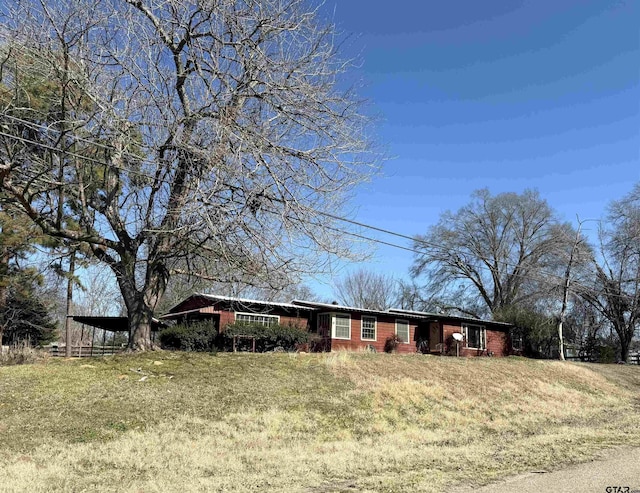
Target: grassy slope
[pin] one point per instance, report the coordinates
(316, 423)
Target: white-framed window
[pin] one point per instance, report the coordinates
(257, 318)
(475, 337)
(402, 330)
(341, 326)
(368, 328)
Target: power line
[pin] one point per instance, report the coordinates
(314, 211)
(77, 138)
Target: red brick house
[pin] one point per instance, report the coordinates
(479, 337)
(350, 328)
(224, 310)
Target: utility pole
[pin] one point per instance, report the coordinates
(67, 320)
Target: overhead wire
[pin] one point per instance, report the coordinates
(415, 240)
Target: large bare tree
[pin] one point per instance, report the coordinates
(367, 289)
(615, 292)
(493, 253)
(181, 137)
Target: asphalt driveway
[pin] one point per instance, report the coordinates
(615, 471)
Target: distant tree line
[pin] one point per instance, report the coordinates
(510, 257)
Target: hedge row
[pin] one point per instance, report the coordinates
(203, 336)
(196, 336)
(271, 338)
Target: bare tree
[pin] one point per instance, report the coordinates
(181, 137)
(616, 290)
(573, 257)
(367, 289)
(585, 326)
(99, 294)
(493, 253)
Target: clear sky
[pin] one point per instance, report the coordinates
(503, 94)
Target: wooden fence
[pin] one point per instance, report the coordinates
(634, 359)
(86, 351)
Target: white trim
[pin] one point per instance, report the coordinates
(334, 316)
(483, 337)
(403, 321)
(245, 301)
(277, 317)
(375, 328)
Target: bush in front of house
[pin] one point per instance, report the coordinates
(195, 336)
(392, 343)
(272, 338)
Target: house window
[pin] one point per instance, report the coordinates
(475, 336)
(336, 325)
(252, 318)
(342, 326)
(368, 329)
(402, 330)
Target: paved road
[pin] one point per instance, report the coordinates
(615, 468)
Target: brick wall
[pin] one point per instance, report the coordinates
(496, 341)
(385, 328)
(227, 314)
(226, 318)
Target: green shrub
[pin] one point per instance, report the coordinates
(606, 354)
(196, 336)
(392, 343)
(272, 338)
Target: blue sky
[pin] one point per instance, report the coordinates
(503, 94)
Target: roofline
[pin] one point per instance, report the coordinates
(452, 317)
(94, 320)
(232, 299)
(316, 305)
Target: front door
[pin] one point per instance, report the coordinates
(434, 336)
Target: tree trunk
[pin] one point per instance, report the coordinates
(624, 348)
(561, 339)
(140, 314)
(140, 328)
(565, 292)
(4, 281)
(140, 301)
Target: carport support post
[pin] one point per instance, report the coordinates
(93, 339)
(81, 339)
(104, 340)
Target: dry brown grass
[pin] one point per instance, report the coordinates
(313, 423)
(22, 354)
